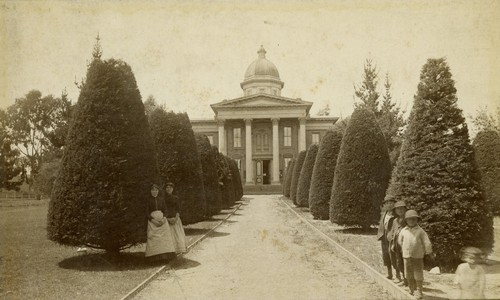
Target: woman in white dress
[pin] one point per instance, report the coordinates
(174, 220)
(160, 244)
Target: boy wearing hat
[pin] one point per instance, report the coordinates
(384, 228)
(399, 223)
(415, 244)
(470, 276)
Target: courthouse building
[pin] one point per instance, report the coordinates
(263, 130)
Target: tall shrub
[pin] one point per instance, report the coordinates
(362, 172)
(295, 176)
(436, 173)
(108, 164)
(487, 155)
(179, 162)
(236, 176)
(322, 176)
(210, 179)
(229, 192)
(288, 178)
(305, 177)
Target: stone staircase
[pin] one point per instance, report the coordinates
(262, 189)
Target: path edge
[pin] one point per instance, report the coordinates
(394, 290)
(143, 284)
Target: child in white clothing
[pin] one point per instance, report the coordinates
(470, 276)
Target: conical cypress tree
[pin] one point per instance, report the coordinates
(362, 172)
(436, 173)
(288, 178)
(295, 176)
(305, 177)
(487, 155)
(210, 178)
(108, 165)
(179, 162)
(229, 192)
(235, 175)
(322, 176)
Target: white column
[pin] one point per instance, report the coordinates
(302, 134)
(222, 137)
(276, 152)
(248, 152)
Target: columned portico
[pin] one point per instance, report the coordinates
(222, 137)
(302, 134)
(248, 152)
(276, 152)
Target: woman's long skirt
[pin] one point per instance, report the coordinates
(179, 236)
(160, 241)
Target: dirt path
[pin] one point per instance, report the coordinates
(263, 252)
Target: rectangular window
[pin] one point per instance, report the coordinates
(315, 138)
(211, 139)
(287, 142)
(236, 137)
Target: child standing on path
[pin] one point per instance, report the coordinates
(415, 244)
(395, 248)
(384, 228)
(470, 276)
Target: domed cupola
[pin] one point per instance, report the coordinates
(262, 77)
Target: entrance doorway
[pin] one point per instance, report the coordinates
(266, 176)
(262, 171)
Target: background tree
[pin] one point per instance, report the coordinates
(325, 111)
(487, 156)
(44, 180)
(295, 175)
(436, 173)
(9, 158)
(210, 178)
(108, 165)
(179, 162)
(389, 116)
(322, 176)
(367, 92)
(486, 120)
(362, 172)
(288, 178)
(304, 182)
(38, 125)
(151, 104)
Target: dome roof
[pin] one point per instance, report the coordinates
(262, 67)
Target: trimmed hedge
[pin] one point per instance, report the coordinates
(436, 173)
(362, 172)
(210, 179)
(295, 176)
(322, 176)
(288, 178)
(236, 179)
(305, 177)
(230, 193)
(179, 162)
(108, 165)
(487, 155)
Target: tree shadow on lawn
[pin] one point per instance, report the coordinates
(182, 263)
(221, 219)
(201, 231)
(358, 231)
(102, 262)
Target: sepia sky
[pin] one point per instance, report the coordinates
(189, 55)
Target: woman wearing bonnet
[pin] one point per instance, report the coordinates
(160, 243)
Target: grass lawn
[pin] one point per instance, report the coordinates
(366, 247)
(32, 267)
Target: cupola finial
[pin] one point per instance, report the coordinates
(262, 52)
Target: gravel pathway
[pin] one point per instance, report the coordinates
(262, 252)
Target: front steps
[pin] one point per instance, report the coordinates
(267, 189)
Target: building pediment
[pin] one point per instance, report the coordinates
(261, 100)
